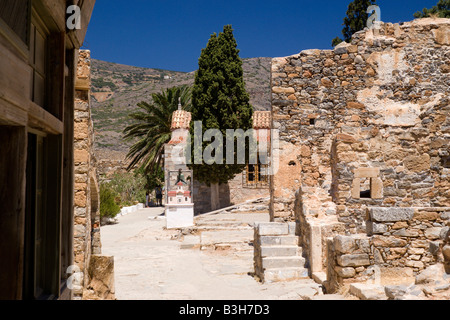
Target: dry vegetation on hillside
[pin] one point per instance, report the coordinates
(117, 89)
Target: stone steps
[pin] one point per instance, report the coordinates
(225, 231)
(279, 240)
(277, 254)
(221, 223)
(280, 251)
(283, 262)
(285, 274)
(218, 228)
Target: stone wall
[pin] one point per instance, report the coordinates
(401, 240)
(111, 162)
(364, 125)
(378, 102)
(407, 237)
(234, 192)
(87, 242)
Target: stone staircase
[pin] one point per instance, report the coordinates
(277, 256)
(231, 231)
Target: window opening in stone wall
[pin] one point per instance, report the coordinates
(367, 184)
(365, 191)
(256, 176)
(446, 162)
(312, 122)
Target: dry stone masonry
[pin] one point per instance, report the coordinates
(87, 243)
(365, 149)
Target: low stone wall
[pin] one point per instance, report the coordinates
(313, 231)
(111, 162)
(230, 194)
(202, 197)
(348, 259)
(407, 237)
(399, 240)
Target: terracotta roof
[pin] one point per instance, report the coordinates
(177, 140)
(181, 120)
(262, 120)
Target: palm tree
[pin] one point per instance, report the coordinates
(151, 130)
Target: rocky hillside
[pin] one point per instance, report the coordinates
(116, 90)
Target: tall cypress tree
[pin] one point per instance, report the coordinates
(220, 101)
(356, 19)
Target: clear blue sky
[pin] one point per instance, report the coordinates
(169, 34)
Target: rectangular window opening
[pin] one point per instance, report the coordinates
(256, 176)
(446, 162)
(366, 192)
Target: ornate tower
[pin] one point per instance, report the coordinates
(179, 203)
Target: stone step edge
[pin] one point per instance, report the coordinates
(270, 274)
(278, 241)
(281, 246)
(275, 229)
(299, 250)
(288, 257)
(280, 236)
(212, 228)
(295, 262)
(287, 269)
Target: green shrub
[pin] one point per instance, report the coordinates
(108, 205)
(129, 186)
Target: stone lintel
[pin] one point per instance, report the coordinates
(367, 173)
(391, 214)
(353, 260)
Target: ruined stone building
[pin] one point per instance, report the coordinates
(365, 151)
(38, 65)
(249, 185)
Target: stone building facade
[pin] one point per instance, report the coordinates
(364, 148)
(38, 57)
(236, 191)
(244, 186)
(86, 242)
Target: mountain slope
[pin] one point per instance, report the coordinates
(117, 89)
